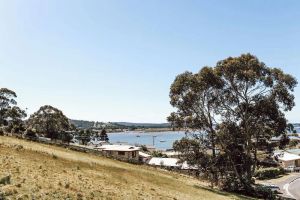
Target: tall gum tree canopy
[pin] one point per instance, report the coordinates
(49, 121)
(9, 111)
(236, 103)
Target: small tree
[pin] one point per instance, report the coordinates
(66, 137)
(291, 128)
(10, 114)
(85, 136)
(284, 141)
(104, 136)
(29, 133)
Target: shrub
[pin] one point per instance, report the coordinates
(144, 148)
(54, 156)
(268, 173)
(264, 193)
(30, 134)
(5, 180)
(293, 143)
(158, 154)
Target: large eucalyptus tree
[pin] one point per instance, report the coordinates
(235, 104)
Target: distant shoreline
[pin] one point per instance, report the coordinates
(144, 133)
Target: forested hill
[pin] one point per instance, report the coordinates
(145, 125)
(116, 125)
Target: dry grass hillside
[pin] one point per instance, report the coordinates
(38, 171)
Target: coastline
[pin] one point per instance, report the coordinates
(145, 132)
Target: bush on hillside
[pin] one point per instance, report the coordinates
(264, 193)
(293, 143)
(30, 134)
(159, 154)
(268, 173)
(144, 148)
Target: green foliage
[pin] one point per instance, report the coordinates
(30, 133)
(104, 136)
(268, 173)
(284, 141)
(50, 121)
(84, 136)
(5, 180)
(291, 128)
(144, 148)
(263, 192)
(158, 154)
(230, 107)
(66, 137)
(10, 114)
(293, 143)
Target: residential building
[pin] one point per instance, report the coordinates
(144, 157)
(122, 152)
(288, 160)
(165, 162)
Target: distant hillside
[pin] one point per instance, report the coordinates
(82, 124)
(116, 125)
(144, 125)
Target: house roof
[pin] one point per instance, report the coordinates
(168, 162)
(275, 138)
(294, 138)
(291, 137)
(144, 155)
(114, 147)
(288, 157)
(294, 151)
(172, 153)
(185, 165)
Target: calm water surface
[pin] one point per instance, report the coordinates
(162, 140)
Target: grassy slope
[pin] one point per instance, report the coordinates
(48, 172)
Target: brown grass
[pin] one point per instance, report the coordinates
(41, 171)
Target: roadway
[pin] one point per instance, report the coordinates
(293, 188)
(290, 186)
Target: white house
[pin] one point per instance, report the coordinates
(288, 160)
(186, 166)
(166, 162)
(144, 157)
(123, 152)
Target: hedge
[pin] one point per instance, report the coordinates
(268, 173)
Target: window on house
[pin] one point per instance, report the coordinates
(121, 153)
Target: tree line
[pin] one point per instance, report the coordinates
(230, 111)
(48, 121)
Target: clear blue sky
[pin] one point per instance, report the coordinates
(115, 60)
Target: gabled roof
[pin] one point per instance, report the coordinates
(294, 138)
(168, 162)
(144, 155)
(185, 165)
(114, 147)
(294, 151)
(288, 157)
(291, 137)
(172, 153)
